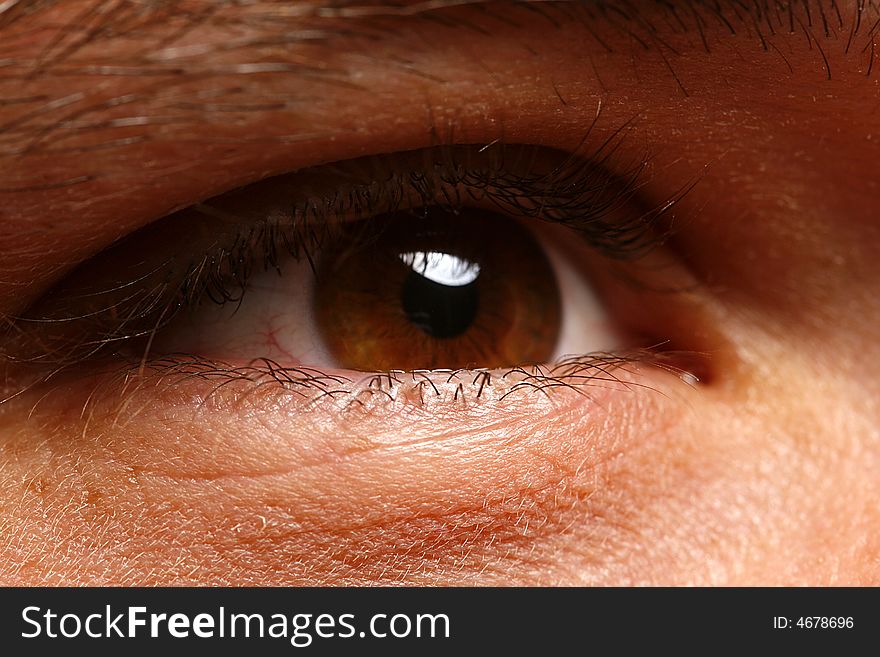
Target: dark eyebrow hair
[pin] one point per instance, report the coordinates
(83, 39)
(108, 19)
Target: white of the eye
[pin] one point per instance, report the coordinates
(586, 326)
(442, 268)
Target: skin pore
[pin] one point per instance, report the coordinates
(115, 114)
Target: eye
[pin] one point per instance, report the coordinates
(429, 289)
(448, 258)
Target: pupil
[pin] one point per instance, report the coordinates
(440, 293)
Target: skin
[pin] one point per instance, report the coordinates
(764, 473)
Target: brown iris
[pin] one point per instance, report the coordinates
(437, 290)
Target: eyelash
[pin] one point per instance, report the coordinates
(578, 192)
(577, 374)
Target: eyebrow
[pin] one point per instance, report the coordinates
(139, 50)
(144, 41)
(105, 20)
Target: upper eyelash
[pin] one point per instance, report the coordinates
(578, 192)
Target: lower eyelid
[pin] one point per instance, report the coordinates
(196, 385)
(314, 412)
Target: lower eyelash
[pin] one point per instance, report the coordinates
(222, 385)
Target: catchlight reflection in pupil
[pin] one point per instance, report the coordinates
(436, 290)
(440, 294)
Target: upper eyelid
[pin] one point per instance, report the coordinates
(45, 119)
(578, 190)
